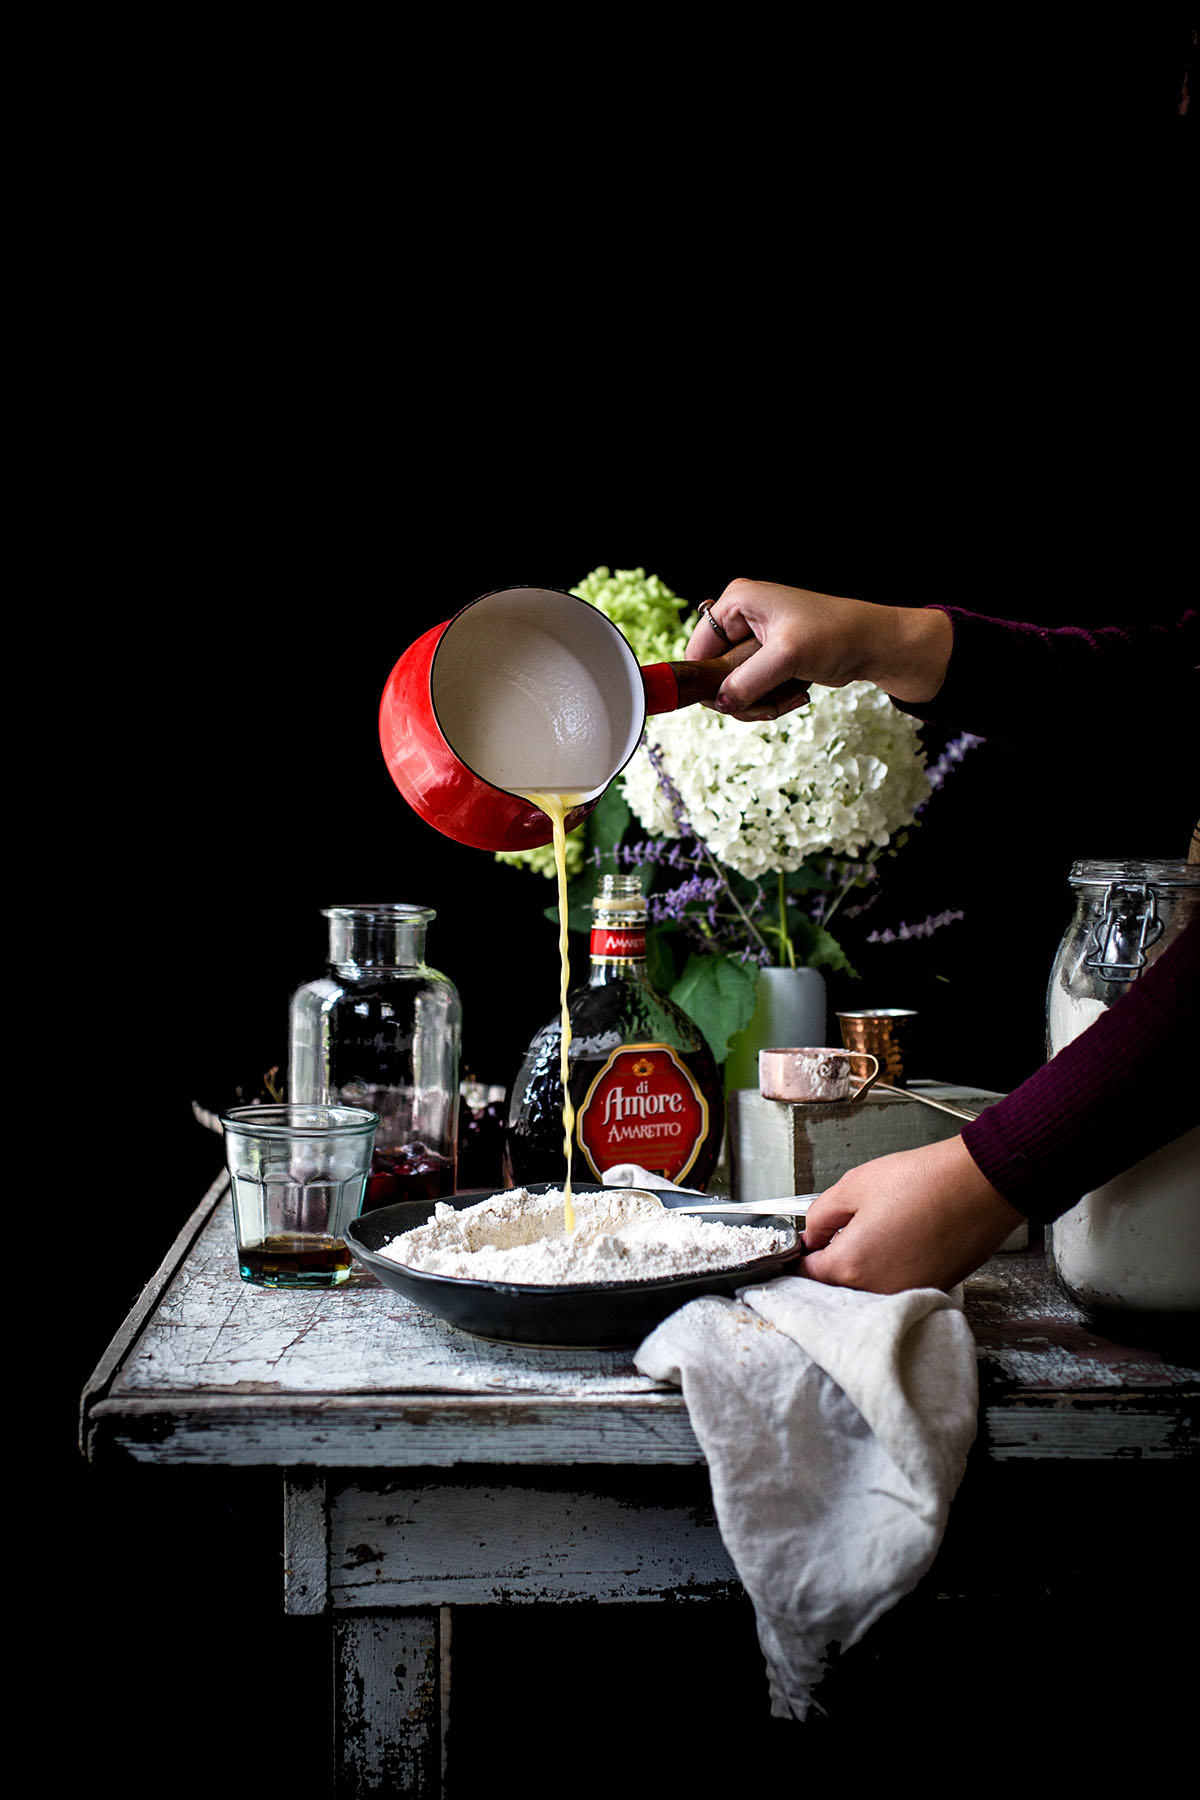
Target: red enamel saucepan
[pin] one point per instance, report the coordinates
(526, 689)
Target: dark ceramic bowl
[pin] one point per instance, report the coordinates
(598, 1315)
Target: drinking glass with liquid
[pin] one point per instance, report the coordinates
(299, 1174)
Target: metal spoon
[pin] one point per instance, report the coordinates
(791, 1206)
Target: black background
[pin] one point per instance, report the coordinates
(314, 390)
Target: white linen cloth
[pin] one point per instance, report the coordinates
(836, 1426)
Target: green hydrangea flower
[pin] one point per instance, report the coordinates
(540, 861)
(642, 607)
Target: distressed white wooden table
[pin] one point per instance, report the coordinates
(424, 1469)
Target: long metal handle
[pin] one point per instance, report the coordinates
(957, 1112)
(790, 1207)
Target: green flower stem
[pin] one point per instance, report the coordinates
(827, 912)
(850, 881)
(723, 878)
(736, 904)
(787, 950)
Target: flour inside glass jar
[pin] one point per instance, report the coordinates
(619, 1235)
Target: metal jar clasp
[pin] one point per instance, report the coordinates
(1128, 925)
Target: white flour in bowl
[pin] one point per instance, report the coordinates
(620, 1235)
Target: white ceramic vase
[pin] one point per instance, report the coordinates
(789, 1014)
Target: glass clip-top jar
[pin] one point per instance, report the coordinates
(383, 1030)
(1132, 1245)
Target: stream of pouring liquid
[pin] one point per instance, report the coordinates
(556, 805)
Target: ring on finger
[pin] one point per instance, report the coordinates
(705, 611)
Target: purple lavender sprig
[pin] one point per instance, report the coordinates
(703, 890)
(679, 811)
(856, 912)
(923, 929)
(949, 759)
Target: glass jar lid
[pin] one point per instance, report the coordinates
(1166, 873)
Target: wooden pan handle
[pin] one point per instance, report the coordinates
(669, 685)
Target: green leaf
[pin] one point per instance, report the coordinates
(660, 961)
(717, 994)
(807, 880)
(609, 820)
(826, 953)
(815, 947)
(579, 904)
(580, 893)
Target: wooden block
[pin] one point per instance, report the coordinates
(776, 1148)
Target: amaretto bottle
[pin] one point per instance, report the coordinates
(1132, 1245)
(644, 1084)
(382, 1030)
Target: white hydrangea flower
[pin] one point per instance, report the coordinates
(836, 778)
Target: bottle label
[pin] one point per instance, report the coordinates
(623, 945)
(643, 1107)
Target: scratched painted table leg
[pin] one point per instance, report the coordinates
(389, 1556)
(391, 1683)
(391, 1671)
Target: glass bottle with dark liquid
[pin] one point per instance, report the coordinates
(644, 1084)
(382, 1030)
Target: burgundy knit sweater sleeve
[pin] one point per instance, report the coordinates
(1122, 1088)
(1045, 685)
(1125, 1086)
